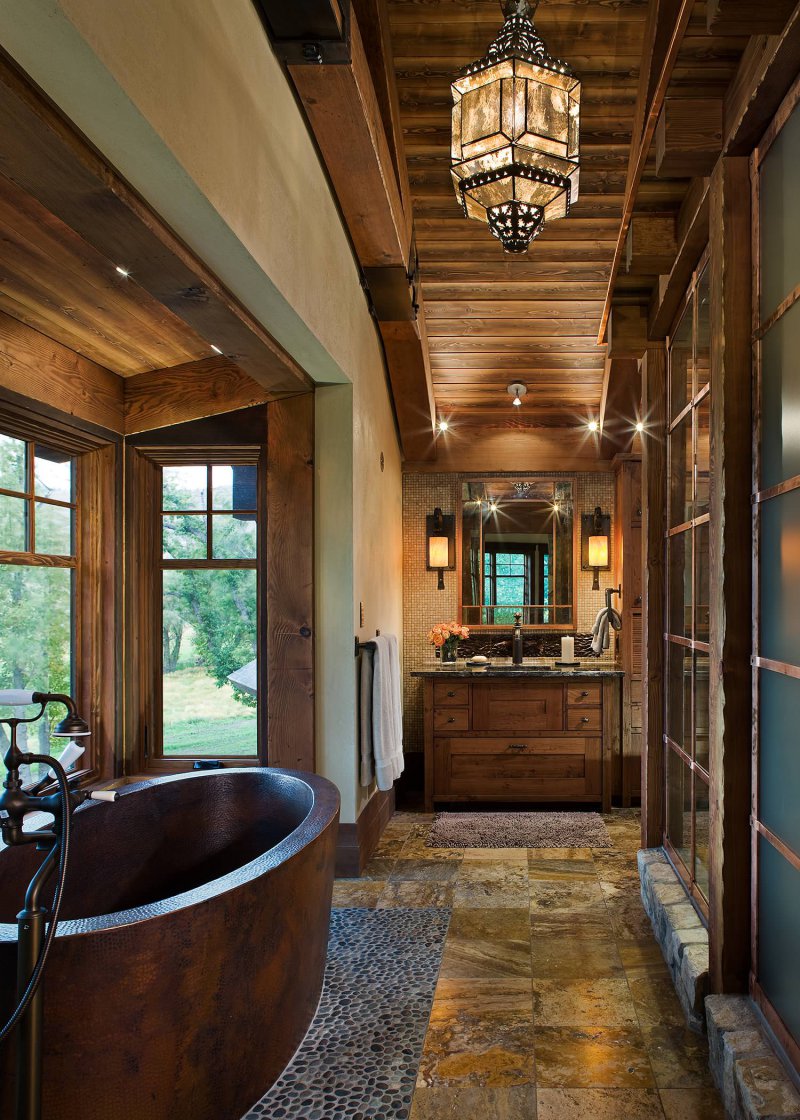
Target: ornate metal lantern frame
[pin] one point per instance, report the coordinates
(515, 137)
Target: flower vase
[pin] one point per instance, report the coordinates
(449, 653)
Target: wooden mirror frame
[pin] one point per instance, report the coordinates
(550, 627)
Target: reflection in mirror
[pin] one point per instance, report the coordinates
(517, 545)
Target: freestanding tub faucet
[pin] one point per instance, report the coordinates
(33, 944)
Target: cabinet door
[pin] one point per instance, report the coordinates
(523, 768)
(517, 706)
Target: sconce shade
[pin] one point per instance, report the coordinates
(515, 126)
(438, 552)
(598, 552)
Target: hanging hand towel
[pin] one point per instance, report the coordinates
(387, 712)
(367, 775)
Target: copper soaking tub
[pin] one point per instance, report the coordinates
(191, 957)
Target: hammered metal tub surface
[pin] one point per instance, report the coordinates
(191, 957)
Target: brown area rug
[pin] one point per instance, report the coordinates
(518, 830)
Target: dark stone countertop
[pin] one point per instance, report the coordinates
(541, 671)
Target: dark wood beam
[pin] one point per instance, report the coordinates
(406, 347)
(654, 505)
(651, 245)
(188, 392)
(667, 24)
(743, 17)
(692, 240)
(345, 117)
(621, 407)
(45, 155)
(731, 543)
(688, 136)
(40, 368)
(290, 583)
(627, 330)
(494, 448)
(767, 72)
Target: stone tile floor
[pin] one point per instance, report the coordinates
(553, 999)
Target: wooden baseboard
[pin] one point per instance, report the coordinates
(357, 842)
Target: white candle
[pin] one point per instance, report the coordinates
(567, 649)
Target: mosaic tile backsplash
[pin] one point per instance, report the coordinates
(423, 604)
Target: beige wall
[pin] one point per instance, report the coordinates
(186, 99)
(423, 604)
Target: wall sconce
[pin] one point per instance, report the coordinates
(595, 544)
(440, 549)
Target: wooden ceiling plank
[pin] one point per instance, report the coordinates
(47, 157)
(651, 245)
(743, 17)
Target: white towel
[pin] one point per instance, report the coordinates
(601, 632)
(387, 712)
(367, 775)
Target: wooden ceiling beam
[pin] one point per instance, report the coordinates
(688, 136)
(667, 28)
(621, 407)
(744, 17)
(651, 244)
(766, 73)
(627, 331)
(693, 226)
(352, 109)
(45, 156)
(191, 391)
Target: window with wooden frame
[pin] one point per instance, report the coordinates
(775, 820)
(57, 577)
(197, 619)
(686, 833)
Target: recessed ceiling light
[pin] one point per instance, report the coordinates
(593, 426)
(443, 425)
(122, 271)
(639, 426)
(493, 506)
(216, 349)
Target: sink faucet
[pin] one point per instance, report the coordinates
(516, 642)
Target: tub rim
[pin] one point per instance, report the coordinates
(325, 802)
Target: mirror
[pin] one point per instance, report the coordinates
(518, 552)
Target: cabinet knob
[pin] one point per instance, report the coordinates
(584, 694)
(517, 746)
(452, 719)
(451, 694)
(585, 719)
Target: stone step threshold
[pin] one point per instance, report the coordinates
(751, 1078)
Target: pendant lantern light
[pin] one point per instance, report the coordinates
(515, 133)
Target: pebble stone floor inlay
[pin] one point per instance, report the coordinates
(553, 1000)
(360, 1057)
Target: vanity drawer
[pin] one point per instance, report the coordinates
(451, 719)
(518, 768)
(517, 706)
(450, 694)
(584, 695)
(584, 719)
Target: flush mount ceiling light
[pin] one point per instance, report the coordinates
(514, 156)
(517, 390)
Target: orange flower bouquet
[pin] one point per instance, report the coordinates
(446, 636)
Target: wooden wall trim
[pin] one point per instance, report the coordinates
(35, 366)
(357, 842)
(513, 449)
(731, 593)
(654, 492)
(290, 583)
(188, 392)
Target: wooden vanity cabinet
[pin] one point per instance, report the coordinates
(529, 739)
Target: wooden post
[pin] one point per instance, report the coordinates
(730, 546)
(654, 489)
(290, 583)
